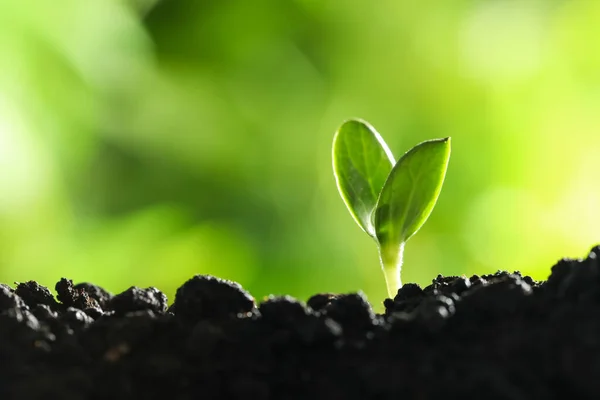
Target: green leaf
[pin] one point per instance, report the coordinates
(410, 193)
(361, 164)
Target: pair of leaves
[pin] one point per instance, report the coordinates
(389, 200)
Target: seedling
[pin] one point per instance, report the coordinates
(389, 200)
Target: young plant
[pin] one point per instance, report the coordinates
(389, 200)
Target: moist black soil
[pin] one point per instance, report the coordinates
(499, 336)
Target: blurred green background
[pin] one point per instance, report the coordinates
(142, 143)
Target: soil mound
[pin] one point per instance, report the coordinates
(499, 336)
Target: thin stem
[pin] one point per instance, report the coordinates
(391, 263)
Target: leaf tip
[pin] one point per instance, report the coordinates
(353, 121)
(445, 140)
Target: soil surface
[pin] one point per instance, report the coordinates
(500, 336)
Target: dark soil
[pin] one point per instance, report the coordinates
(500, 336)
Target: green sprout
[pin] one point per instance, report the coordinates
(389, 200)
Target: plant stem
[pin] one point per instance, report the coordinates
(391, 263)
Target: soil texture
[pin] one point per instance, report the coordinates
(499, 336)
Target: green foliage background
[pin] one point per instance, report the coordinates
(143, 142)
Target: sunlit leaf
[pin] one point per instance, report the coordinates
(361, 164)
(410, 193)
